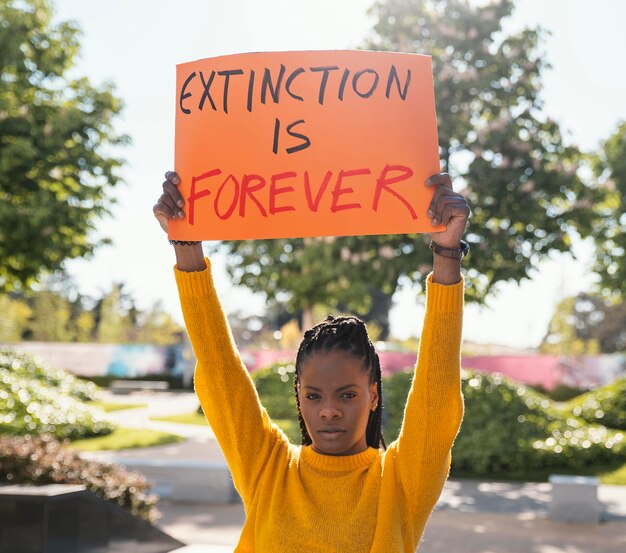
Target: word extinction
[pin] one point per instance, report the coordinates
(201, 89)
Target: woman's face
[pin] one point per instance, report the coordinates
(336, 398)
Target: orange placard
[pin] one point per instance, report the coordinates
(297, 144)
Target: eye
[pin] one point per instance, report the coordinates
(348, 395)
(312, 396)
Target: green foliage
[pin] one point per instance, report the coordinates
(586, 325)
(562, 392)
(24, 365)
(395, 390)
(126, 438)
(37, 400)
(522, 181)
(14, 320)
(56, 312)
(56, 133)
(606, 405)
(610, 222)
(508, 427)
(274, 385)
(44, 460)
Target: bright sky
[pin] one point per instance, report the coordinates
(138, 44)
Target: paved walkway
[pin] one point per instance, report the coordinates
(471, 516)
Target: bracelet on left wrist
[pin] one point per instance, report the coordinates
(184, 242)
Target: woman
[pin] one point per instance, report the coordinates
(340, 490)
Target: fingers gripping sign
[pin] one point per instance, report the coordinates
(170, 204)
(449, 209)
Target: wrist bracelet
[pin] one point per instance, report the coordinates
(184, 242)
(450, 253)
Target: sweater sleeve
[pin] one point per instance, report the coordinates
(226, 391)
(434, 408)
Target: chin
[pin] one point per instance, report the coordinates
(334, 447)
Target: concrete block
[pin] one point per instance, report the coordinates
(575, 498)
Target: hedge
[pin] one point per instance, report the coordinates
(25, 365)
(606, 405)
(36, 400)
(44, 460)
(507, 427)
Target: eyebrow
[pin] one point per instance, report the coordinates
(337, 390)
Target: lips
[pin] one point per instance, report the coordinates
(330, 433)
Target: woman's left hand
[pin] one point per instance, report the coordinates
(449, 209)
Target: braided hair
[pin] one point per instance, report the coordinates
(347, 334)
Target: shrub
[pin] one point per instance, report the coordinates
(562, 392)
(26, 366)
(274, 385)
(395, 390)
(44, 460)
(606, 405)
(508, 427)
(36, 400)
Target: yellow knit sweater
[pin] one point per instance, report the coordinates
(297, 500)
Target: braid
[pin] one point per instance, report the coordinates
(348, 334)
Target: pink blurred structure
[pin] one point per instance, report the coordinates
(548, 371)
(132, 360)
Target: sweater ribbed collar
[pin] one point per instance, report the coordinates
(338, 463)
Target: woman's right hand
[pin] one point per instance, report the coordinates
(171, 202)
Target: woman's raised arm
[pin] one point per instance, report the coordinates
(171, 205)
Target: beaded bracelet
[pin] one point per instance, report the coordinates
(184, 242)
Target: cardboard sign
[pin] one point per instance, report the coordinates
(299, 144)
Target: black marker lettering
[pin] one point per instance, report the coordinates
(207, 91)
(393, 76)
(356, 78)
(344, 80)
(226, 75)
(306, 142)
(290, 80)
(267, 83)
(276, 133)
(184, 95)
(325, 71)
(250, 89)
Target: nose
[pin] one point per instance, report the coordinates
(329, 412)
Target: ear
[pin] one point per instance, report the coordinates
(374, 396)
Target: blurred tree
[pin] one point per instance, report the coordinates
(586, 325)
(157, 327)
(50, 321)
(55, 312)
(610, 224)
(55, 175)
(520, 178)
(114, 322)
(14, 317)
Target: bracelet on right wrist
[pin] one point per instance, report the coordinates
(450, 253)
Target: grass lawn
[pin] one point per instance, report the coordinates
(185, 418)
(614, 478)
(108, 407)
(608, 475)
(126, 438)
(288, 426)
